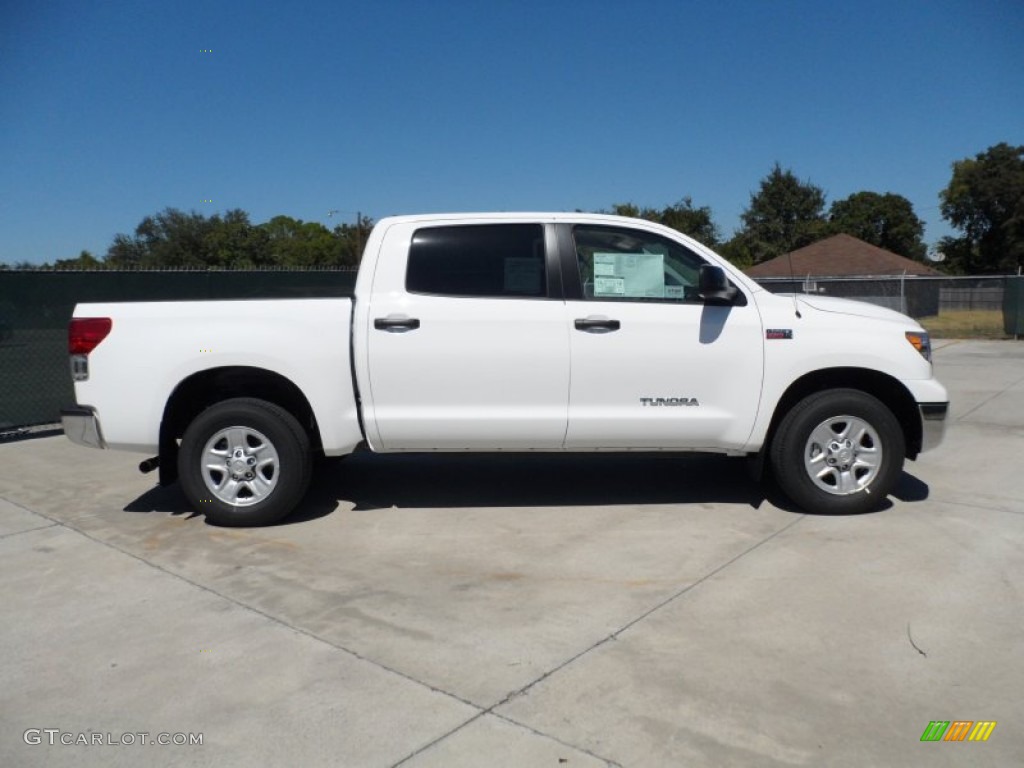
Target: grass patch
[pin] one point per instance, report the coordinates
(965, 324)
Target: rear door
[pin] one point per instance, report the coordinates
(467, 345)
(652, 365)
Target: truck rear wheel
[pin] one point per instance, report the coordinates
(838, 452)
(244, 462)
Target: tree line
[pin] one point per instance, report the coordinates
(984, 203)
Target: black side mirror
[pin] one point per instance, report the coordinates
(714, 286)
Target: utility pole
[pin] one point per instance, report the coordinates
(359, 236)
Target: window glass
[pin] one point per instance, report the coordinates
(630, 264)
(494, 260)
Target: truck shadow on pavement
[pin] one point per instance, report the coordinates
(370, 481)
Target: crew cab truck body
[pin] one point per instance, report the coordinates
(509, 332)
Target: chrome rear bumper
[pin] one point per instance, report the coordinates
(81, 426)
(933, 424)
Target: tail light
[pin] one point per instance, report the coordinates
(84, 335)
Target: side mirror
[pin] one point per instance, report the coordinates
(714, 286)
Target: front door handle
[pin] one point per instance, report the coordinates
(396, 323)
(597, 324)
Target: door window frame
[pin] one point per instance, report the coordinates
(572, 279)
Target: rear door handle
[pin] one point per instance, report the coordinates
(597, 324)
(396, 323)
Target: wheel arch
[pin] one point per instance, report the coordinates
(888, 389)
(202, 389)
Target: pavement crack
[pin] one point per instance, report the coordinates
(989, 399)
(524, 690)
(607, 761)
(27, 530)
(984, 507)
(630, 624)
(270, 617)
(911, 639)
(490, 711)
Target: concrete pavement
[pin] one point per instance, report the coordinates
(522, 611)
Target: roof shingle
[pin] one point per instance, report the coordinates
(840, 256)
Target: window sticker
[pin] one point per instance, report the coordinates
(523, 275)
(629, 275)
(609, 286)
(674, 292)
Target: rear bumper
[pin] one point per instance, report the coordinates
(933, 424)
(82, 426)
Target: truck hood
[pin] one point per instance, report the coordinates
(851, 307)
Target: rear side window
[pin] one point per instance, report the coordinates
(488, 260)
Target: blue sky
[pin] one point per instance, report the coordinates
(110, 111)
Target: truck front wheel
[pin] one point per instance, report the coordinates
(840, 451)
(244, 462)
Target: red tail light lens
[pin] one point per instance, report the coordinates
(85, 333)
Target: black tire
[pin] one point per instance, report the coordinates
(846, 483)
(270, 439)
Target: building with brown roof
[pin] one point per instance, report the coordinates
(840, 256)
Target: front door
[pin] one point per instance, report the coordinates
(653, 366)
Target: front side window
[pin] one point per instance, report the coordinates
(629, 264)
(482, 260)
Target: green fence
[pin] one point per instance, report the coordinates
(1013, 307)
(35, 381)
(35, 308)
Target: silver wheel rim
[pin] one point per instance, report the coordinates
(843, 455)
(240, 466)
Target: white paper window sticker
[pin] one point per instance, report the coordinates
(629, 275)
(523, 274)
(609, 286)
(674, 292)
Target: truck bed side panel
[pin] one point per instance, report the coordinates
(154, 346)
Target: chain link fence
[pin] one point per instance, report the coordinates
(35, 307)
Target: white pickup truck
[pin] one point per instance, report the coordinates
(509, 332)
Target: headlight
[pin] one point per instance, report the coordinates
(921, 342)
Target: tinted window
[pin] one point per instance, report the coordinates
(481, 260)
(629, 264)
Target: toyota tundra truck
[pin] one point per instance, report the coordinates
(509, 332)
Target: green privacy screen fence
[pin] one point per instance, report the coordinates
(35, 381)
(35, 308)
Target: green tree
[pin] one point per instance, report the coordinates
(784, 214)
(738, 251)
(232, 242)
(171, 238)
(85, 260)
(887, 221)
(632, 211)
(352, 238)
(297, 243)
(683, 217)
(985, 201)
(698, 223)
